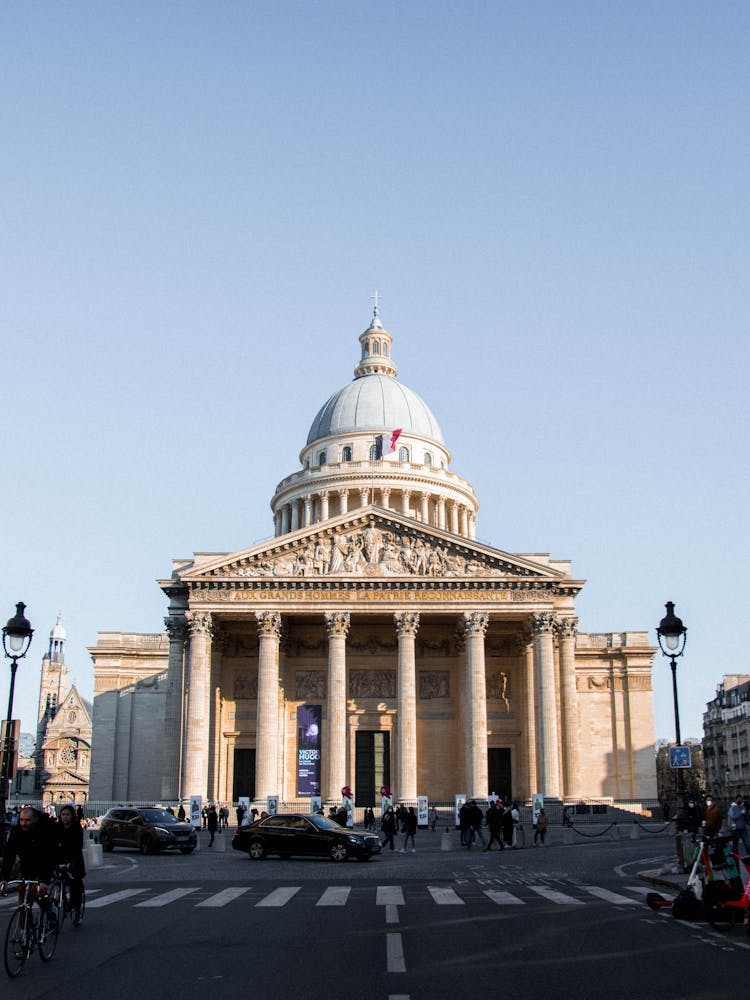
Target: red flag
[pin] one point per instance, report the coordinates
(394, 438)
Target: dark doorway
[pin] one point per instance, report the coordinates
(244, 774)
(372, 766)
(499, 772)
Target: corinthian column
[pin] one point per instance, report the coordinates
(407, 624)
(195, 760)
(337, 624)
(267, 720)
(475, 626)
(566, 631)
(547, 757)
(170, 775)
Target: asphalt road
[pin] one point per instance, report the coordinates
(552, 922)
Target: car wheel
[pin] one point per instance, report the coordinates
(186, 850)
(257, 850)
(338, 851)
(105, 843)
(149, 846)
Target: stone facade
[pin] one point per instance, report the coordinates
(438, 664)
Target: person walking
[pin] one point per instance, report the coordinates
(433, 818)
(540, 830)
(464, 825)
(477, 818)
(711, 817)
(212, 823)
(494, 820)
(738, 825)
(388, 826)
(410, 830)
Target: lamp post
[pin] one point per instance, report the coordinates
(16, 641)
(672, 636)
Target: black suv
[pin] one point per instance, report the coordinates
(151, 830)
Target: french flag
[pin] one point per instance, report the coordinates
(394, 438)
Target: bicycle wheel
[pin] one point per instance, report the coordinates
(721, 918)
(48, 931)
(57, 898)
(16, 946)
(78, 911)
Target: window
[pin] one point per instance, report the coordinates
(366, 349)
(373, 453)
(375, 347)
(427, 458)
(385, 350)
(346, 454)
(322, 458)
(403, 454)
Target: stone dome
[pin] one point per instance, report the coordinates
(375, 402)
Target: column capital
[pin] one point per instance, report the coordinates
(324, 494)
(543, 623)
(475, 623)
(176, 629)
(199, 623)
(269, 623)
(567, 627)
(407, 622)
(337, 623)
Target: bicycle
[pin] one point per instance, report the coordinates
(60, 895)
(25, 933)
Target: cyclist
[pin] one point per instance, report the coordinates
(32, 841)
(69, 839)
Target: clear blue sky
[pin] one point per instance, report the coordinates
(198, 201)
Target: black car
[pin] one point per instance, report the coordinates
(151, 830)
(312, 836)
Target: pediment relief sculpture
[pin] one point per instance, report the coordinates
(371, 551)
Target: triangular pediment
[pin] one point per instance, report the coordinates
(72, 715)
(370, 542)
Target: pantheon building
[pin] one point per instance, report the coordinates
(371, 642)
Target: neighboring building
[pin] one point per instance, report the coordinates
(372, 641)
(668, 778)
(726, 737)
(63, 740)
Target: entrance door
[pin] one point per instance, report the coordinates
(244, 774)
(499, 772)
(372, 766)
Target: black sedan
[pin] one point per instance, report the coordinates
(307, 836)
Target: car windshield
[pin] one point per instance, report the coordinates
(323, 823)
(160, 816)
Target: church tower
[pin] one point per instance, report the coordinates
(54, 682)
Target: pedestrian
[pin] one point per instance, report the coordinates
(433, 818)
(410, 830)
(181, 813)
(464, 826)
(212, 823)
(518, 834)
(240, 814)
(738, 825)
(540, 829)
(369, 818)
(566, 816)
(507, 821)
(204, 816)
(711, 817)
(477, 818)
(692, 817)
(388, 826)
(494, 820)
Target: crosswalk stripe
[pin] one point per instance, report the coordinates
(609, 896)
(444, 896)
(335, 895)
(553, 895)
(112, 897)
(394, 950)
(279, 897)
(165, 898)
(225, 896)
(503, 898)
(389, 895)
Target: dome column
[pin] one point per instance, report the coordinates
(363, 495)
(405, 496)
(475, 627)
(441, 514)
(425, 506)
(407, 624)
(307, 510)
(337, 625)
(324, 505)
(285, 519)
(454, 517)
(464, 522)
(343, 501)
(386, 498)
(295, 515)
(267, 719)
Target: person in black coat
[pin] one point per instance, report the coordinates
(69, 838)
(32, 841)
(388, 826)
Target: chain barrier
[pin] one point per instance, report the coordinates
(591, 836)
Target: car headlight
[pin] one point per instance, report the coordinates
(355, 840)
(164, 834)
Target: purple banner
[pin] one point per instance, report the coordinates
(308, 750)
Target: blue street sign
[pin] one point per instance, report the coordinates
(679, 757)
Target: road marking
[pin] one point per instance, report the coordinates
(225, 896)
(444, 896)
(112, 897)
(166, 898)
(642, 890)
(335, 895)
(389, 895)
(609, 896)
(280, 897)
(503, 898)
(553, 895)
(394, 951)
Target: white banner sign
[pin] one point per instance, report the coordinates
(195, 811)
(460, 799)
(422, 810)
(272, 805)
(537, 804)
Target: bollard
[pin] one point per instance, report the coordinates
(635, 832)
(219, 843)
(94, 855)
(446, 841)
(568, 837)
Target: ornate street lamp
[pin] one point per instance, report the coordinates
(16, 641)
(672, 636)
